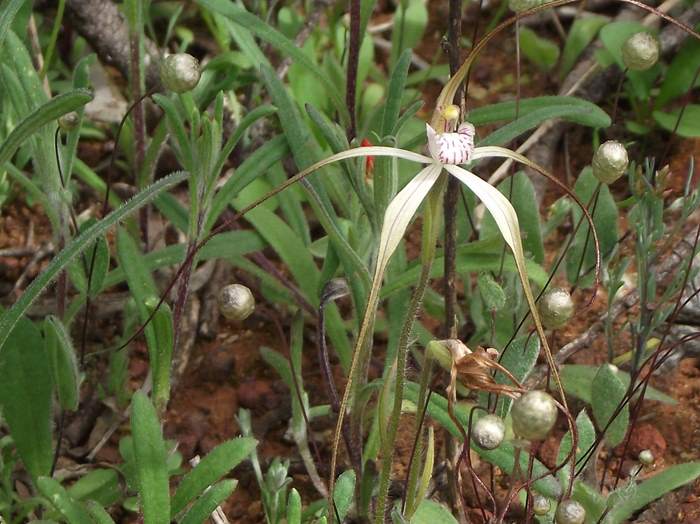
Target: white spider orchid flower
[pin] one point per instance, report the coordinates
(447, 150)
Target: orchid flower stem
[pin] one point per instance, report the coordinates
(430, 233)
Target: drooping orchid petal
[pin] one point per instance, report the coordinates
(400, 212)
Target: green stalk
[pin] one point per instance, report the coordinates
(431, 226)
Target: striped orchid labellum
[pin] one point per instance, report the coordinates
(452, 148)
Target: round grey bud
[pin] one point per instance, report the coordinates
(69, 121)
(541, 505)
(640, 51)
(179, 72)
(534, 415)
(610, 162)
(570, 512)
(556, 308)
(236, 302)
(489, 431)
(646, 457)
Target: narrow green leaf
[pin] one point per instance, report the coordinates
(151, 461)
(605, 219)
(577, 379)
(8, 11)
(77, 246)
(48, 112)
(293, 507)
(519, 359)
(525, 204)
(395, 92)
(586, 439)
(71, 509)
(26, 383)
(689, 126)
(344, 493)
(207, 503)
(218, 462)
(141, 283)
(581, 33)
(680, 73)
(431, 512)
(491, 292)
(98, 513)
(607, 391)
(568, 108)
(99, 485)
(625, 502)
(63, 363)
(79, 269)
(161, 357)
(540, 51)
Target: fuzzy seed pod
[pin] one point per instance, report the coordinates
(640, 51)
(489, 431)
(540, 505)
(556, 308)
(69, 121)
(518, 6)
(646, 457)
(570, 512)
(610, 162)
(179, 72)
(534, 415)
(236, 302)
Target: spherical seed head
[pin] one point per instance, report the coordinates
(489, 431)
(646, 457)
(541, 505)
(69, 121)
(570, 512)
(640, 51)
(236, 302)
(556, 308)
(534, 415)
(610, 161)
(180, 72)
(518, 6)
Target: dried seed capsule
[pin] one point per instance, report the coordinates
(69, 121)
(556, 308)
(517, 6)
(570, 512)
(610, 162)
(640, 51)
(534, 415)
(236, 302)
(489, 431)
(646, 457)
(179, 72)
(541, 505)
